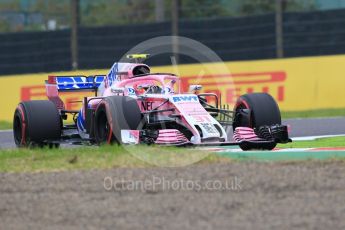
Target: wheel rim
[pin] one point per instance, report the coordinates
(17, 130)
(243, 105)
(103, 129)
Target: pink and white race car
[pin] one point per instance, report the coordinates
(133, 106)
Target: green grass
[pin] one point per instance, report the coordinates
(5, 125)
(314, 113)
(104, 157)
(322, 142)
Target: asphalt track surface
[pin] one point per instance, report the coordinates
(242, 195)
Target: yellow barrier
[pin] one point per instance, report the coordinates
(296, 83)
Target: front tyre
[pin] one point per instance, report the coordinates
(255, 110)
(103, 130)
(113, 114)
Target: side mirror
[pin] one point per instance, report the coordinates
(195, 88)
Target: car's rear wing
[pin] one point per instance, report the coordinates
(76, 83)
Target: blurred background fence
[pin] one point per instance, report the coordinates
(47, 35)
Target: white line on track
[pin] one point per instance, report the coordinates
(311, 138)
(224, 150)
(314, 118)
(293, 150)
(6, 131)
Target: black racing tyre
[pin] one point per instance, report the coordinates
(263, 111)
(255, 110)
(36, 123)
(114, 114)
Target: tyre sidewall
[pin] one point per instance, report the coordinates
(123, 113)
(40, 123)
(263, 109)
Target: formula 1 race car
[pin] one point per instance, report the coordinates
(133, 106)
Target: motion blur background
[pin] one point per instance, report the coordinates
(295, 47)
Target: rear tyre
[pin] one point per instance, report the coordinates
(36, 124)
(255, 110)
(114, 114)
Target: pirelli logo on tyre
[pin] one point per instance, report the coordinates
(234, 85)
